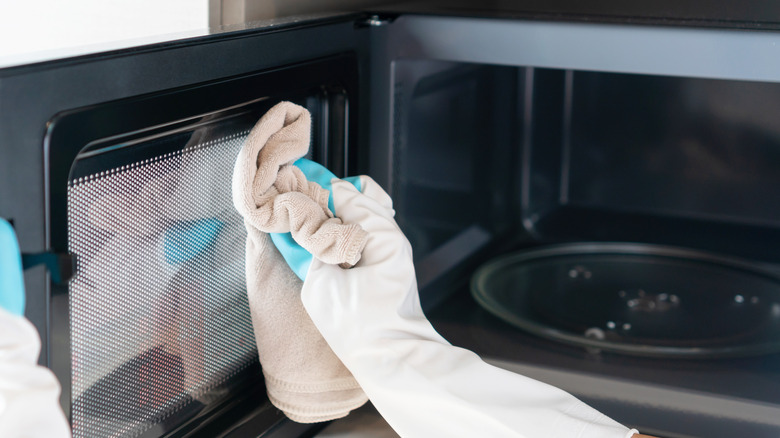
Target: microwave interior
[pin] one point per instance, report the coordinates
(485, 153)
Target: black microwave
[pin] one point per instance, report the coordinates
(540, 136)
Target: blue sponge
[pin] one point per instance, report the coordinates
(296, 257)
(11, 276)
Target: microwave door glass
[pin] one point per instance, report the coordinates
(158, 309)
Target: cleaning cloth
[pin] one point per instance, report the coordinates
(303, 377)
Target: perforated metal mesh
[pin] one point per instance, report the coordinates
(158, 307)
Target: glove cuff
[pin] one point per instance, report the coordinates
(352, 245)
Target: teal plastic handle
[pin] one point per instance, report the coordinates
(12, 297)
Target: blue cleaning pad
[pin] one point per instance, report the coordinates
(296, 257)
(11, 277)
(185, 240)
(318, 173)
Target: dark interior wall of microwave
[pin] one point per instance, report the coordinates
(456, 148)
(490, 156)
(655, 159)
(454, 160)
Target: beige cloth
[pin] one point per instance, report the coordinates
(303, 376)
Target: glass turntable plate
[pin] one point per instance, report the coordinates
(635, 299)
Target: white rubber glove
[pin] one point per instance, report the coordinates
(29, 394)
(423, 386)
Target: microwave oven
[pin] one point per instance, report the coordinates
(551, 133)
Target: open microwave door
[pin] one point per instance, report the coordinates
(116, 169)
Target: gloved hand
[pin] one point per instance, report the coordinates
(371, 317)
(29, 394)
(11, 280)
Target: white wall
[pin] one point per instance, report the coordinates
(34, 30)
(239, 11)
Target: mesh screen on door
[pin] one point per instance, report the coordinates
(158, 307)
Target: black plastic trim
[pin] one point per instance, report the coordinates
(755, 14)
(225, 33)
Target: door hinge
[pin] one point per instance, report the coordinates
(374, 20)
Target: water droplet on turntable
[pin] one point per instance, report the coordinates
(580, 271)
(611, 325)
(595, 333)
(739, 299)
